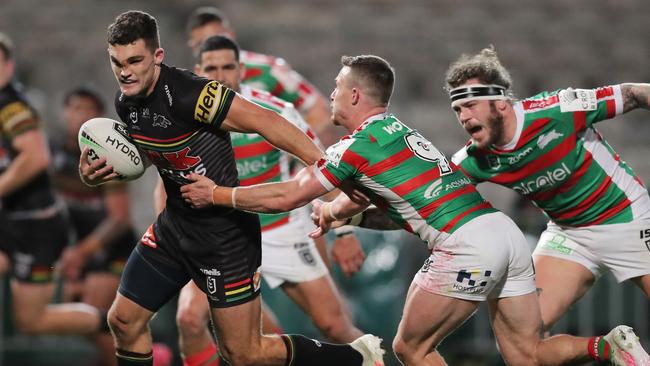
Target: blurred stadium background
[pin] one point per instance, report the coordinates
(545, 44)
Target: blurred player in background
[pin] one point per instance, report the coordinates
(289, 256)
(182, 123)
(275, 75)
(477, 253)
(33, 229)
(547, 149)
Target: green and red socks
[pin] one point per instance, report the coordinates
(598, 348)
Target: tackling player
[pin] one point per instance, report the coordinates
(478, 253)
(181, 123)
(547, 149)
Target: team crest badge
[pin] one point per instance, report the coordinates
(493, 162)
(212, 285)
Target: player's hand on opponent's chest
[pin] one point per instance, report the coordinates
(198, 194)
(95, 173)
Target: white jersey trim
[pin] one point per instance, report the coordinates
(633, 190)
(618, 99)
(519, 117)
(322, 179)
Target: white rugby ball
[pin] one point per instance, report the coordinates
(108, 138)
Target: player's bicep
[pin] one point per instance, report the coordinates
(245, 116)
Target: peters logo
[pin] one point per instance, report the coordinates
(208, 103)
(546, 138)
(548, 179)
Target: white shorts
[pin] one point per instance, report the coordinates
(488, 257)
(623, 249)
(289, 255)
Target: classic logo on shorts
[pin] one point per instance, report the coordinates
(305, 253)
(645, 234)
(557, 244)
(476, 280)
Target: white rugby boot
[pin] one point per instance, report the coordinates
(370, 348)
(625, 348)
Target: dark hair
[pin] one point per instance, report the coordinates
(204, 15)
(374, 73)
(85, 92)
(215, 43)
(133, 25)
(484, 66)
(6, 46)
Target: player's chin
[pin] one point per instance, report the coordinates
(131, 89)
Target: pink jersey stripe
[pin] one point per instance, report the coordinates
(417, 181)
(173, 139)
(388, 163)
(450, 225)
(555, 155)
(258, 148)
(273, 172)
(431, 207)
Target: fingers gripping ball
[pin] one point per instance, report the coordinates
(110, 139)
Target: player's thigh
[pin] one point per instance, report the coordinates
(517, 325)
(319, 298)
(237, 327)
(561, 282)
(428, 318)
(644, 283)
(30, 300)
(193, 306)
(99, 289)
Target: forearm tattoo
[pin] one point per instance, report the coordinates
(635, 96)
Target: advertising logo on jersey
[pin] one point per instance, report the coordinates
(177, 165)
(578, 100)
(547, 179)
(520, 155)
(434, 190)
(208, 103)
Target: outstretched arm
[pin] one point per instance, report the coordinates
(245, 116)
(635, 95)
(266, 198)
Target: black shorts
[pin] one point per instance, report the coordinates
(222, 255)
(112, 258)
(33, 246)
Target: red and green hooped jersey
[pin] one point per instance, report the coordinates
(421, 190)
(275, 76)
(260, 162)
(561, 163)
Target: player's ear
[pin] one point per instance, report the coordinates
(501, 105)
(355, 96)
(158, 56)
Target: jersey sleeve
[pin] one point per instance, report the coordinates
(596, 104)
(17, 117)
(340, 163)
(465, 163)
(212, 103)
